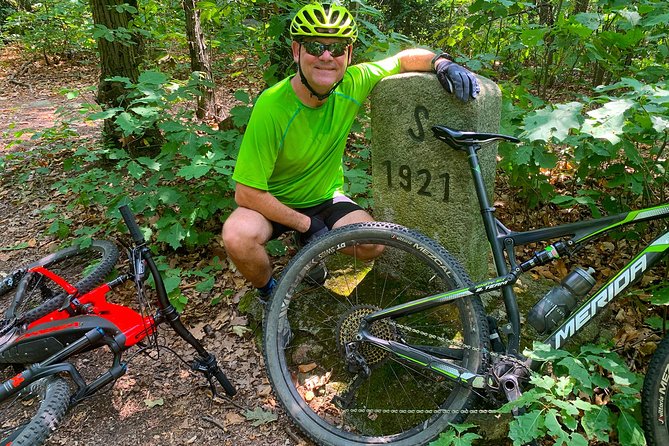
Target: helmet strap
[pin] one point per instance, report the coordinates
(313, 92)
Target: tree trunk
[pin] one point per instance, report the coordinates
(24, 5)
(119, 57)
(581, 6)
(545, 9)
(199, 61)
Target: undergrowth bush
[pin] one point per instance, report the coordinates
(51, 27)
(611, 147)
(185, 190)
(587, 396)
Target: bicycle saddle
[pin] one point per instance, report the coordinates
(460, 140)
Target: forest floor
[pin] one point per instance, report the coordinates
(157, 402)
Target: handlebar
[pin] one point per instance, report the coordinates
(208, 364)
(130, 222)
(223, 380)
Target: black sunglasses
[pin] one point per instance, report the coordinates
(317, 48)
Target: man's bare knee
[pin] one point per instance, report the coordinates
(244, 231)
(231, 236)
(365, 252)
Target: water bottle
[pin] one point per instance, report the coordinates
(555, 306)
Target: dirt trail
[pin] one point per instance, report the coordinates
(158, 402)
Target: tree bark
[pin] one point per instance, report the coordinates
(120, 57)
(200, 61)
(581, 6)
(545, 8)
(24, 5)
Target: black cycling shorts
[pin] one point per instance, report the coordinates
(330, 211)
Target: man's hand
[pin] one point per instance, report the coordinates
(316, 229)
(457, 80)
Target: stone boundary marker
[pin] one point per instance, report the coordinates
(419, 181)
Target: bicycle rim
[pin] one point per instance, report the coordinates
(35, 295)
(309, 325)
(29, 417)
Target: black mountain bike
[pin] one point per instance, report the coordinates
(56, 309)
(393, 350)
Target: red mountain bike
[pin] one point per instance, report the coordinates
(55, 308)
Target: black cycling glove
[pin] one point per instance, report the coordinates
(316, 229)
(458, 80)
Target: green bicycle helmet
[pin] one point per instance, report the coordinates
(316, 20)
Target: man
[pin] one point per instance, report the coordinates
(289, 170)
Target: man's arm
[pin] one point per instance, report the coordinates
(265, 203)
(416, 59)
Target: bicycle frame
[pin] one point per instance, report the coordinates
(502, 242)
(44, 341)
(89, 321)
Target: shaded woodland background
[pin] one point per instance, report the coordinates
(166, 89)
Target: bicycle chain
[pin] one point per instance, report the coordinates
(484, 351)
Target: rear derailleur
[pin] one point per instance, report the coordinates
(355, 363)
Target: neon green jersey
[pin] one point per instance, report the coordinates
(294, 151)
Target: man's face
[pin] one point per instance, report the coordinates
(324, 60)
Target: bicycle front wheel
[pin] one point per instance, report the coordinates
(28, 418)
(315, 313)
(655, 397)
(26, 296)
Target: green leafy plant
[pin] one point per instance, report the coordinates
(457, 435)
(612, 146)
(591, 395)
(51, 27)
(182, 189)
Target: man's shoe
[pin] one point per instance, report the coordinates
(266, 292)
(318, 274)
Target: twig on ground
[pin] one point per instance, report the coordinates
(214, 421)
(293, 435)
(227, 399)
(20, 72)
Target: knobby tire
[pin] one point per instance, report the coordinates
(24, 424)
(29, 296)
(655, 398)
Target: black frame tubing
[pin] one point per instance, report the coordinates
(501, 239)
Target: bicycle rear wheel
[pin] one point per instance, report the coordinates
(26, 296)
(655, 398)
(309, 324)
(28, 418)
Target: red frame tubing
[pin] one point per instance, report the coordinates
(133, 325)
(64, 284)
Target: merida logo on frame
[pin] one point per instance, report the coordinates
(599, 301)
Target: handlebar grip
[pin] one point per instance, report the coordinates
(227, 386)
(130, 222)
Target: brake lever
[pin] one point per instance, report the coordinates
(138, 264)
(210, 369)
(199, 365)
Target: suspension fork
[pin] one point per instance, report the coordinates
(51, 365)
